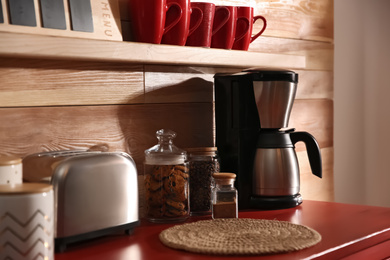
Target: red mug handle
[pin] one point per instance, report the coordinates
(224, 21)
(174, 22)
(198, 22)
(246, 21)
(262, 30)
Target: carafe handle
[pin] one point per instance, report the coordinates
(313, 150)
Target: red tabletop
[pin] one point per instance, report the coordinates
(348, 231)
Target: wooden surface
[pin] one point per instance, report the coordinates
(64, 93)
(346, 231)
(30, 82)
(106, 22)
(300, 19)
(83, 49)
(33, 82)
(319, 55)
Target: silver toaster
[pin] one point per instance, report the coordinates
(95, 193)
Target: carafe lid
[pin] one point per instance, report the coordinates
(273, 138)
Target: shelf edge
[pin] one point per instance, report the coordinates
(53, 47)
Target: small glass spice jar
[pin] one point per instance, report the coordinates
(166, 180)
(224, 196)
(203, 163)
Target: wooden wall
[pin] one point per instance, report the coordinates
(57, 104)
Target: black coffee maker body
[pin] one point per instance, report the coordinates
(252, 110)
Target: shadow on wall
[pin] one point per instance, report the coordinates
(185, 108)
(190, 90)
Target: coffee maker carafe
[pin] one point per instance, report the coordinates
(252, 110)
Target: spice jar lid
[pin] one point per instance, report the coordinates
(9, 160)
(224, 175)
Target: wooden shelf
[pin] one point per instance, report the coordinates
(52, 47)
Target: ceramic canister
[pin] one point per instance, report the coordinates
(26, 221)
(11, 170)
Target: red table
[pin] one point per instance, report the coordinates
(348, 232)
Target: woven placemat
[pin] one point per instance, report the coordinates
(239, 236)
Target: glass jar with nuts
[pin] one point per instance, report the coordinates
(166, 180)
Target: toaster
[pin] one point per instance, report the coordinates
(95, 193)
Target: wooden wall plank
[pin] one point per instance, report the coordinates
(30, 82)
(128, 128)
(49, 83)
(319, 55)
(312, 187)
(300, 19)
(314, 84)
(316, 117)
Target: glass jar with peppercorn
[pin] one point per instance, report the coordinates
(166, 180)
(203, 163)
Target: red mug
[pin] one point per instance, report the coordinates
(224, 28)
(178, 34)
(201, 27)
(148, 19)
(245, 21)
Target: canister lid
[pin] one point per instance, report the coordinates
(24, 188)
(202, 150)
(9, 160)
(224, 175)
(165, 152)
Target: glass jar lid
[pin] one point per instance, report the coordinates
(165, 152)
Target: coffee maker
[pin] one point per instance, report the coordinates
(252, 110)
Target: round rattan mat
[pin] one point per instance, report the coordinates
(240, 236)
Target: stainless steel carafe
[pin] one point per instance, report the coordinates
(275, 169)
